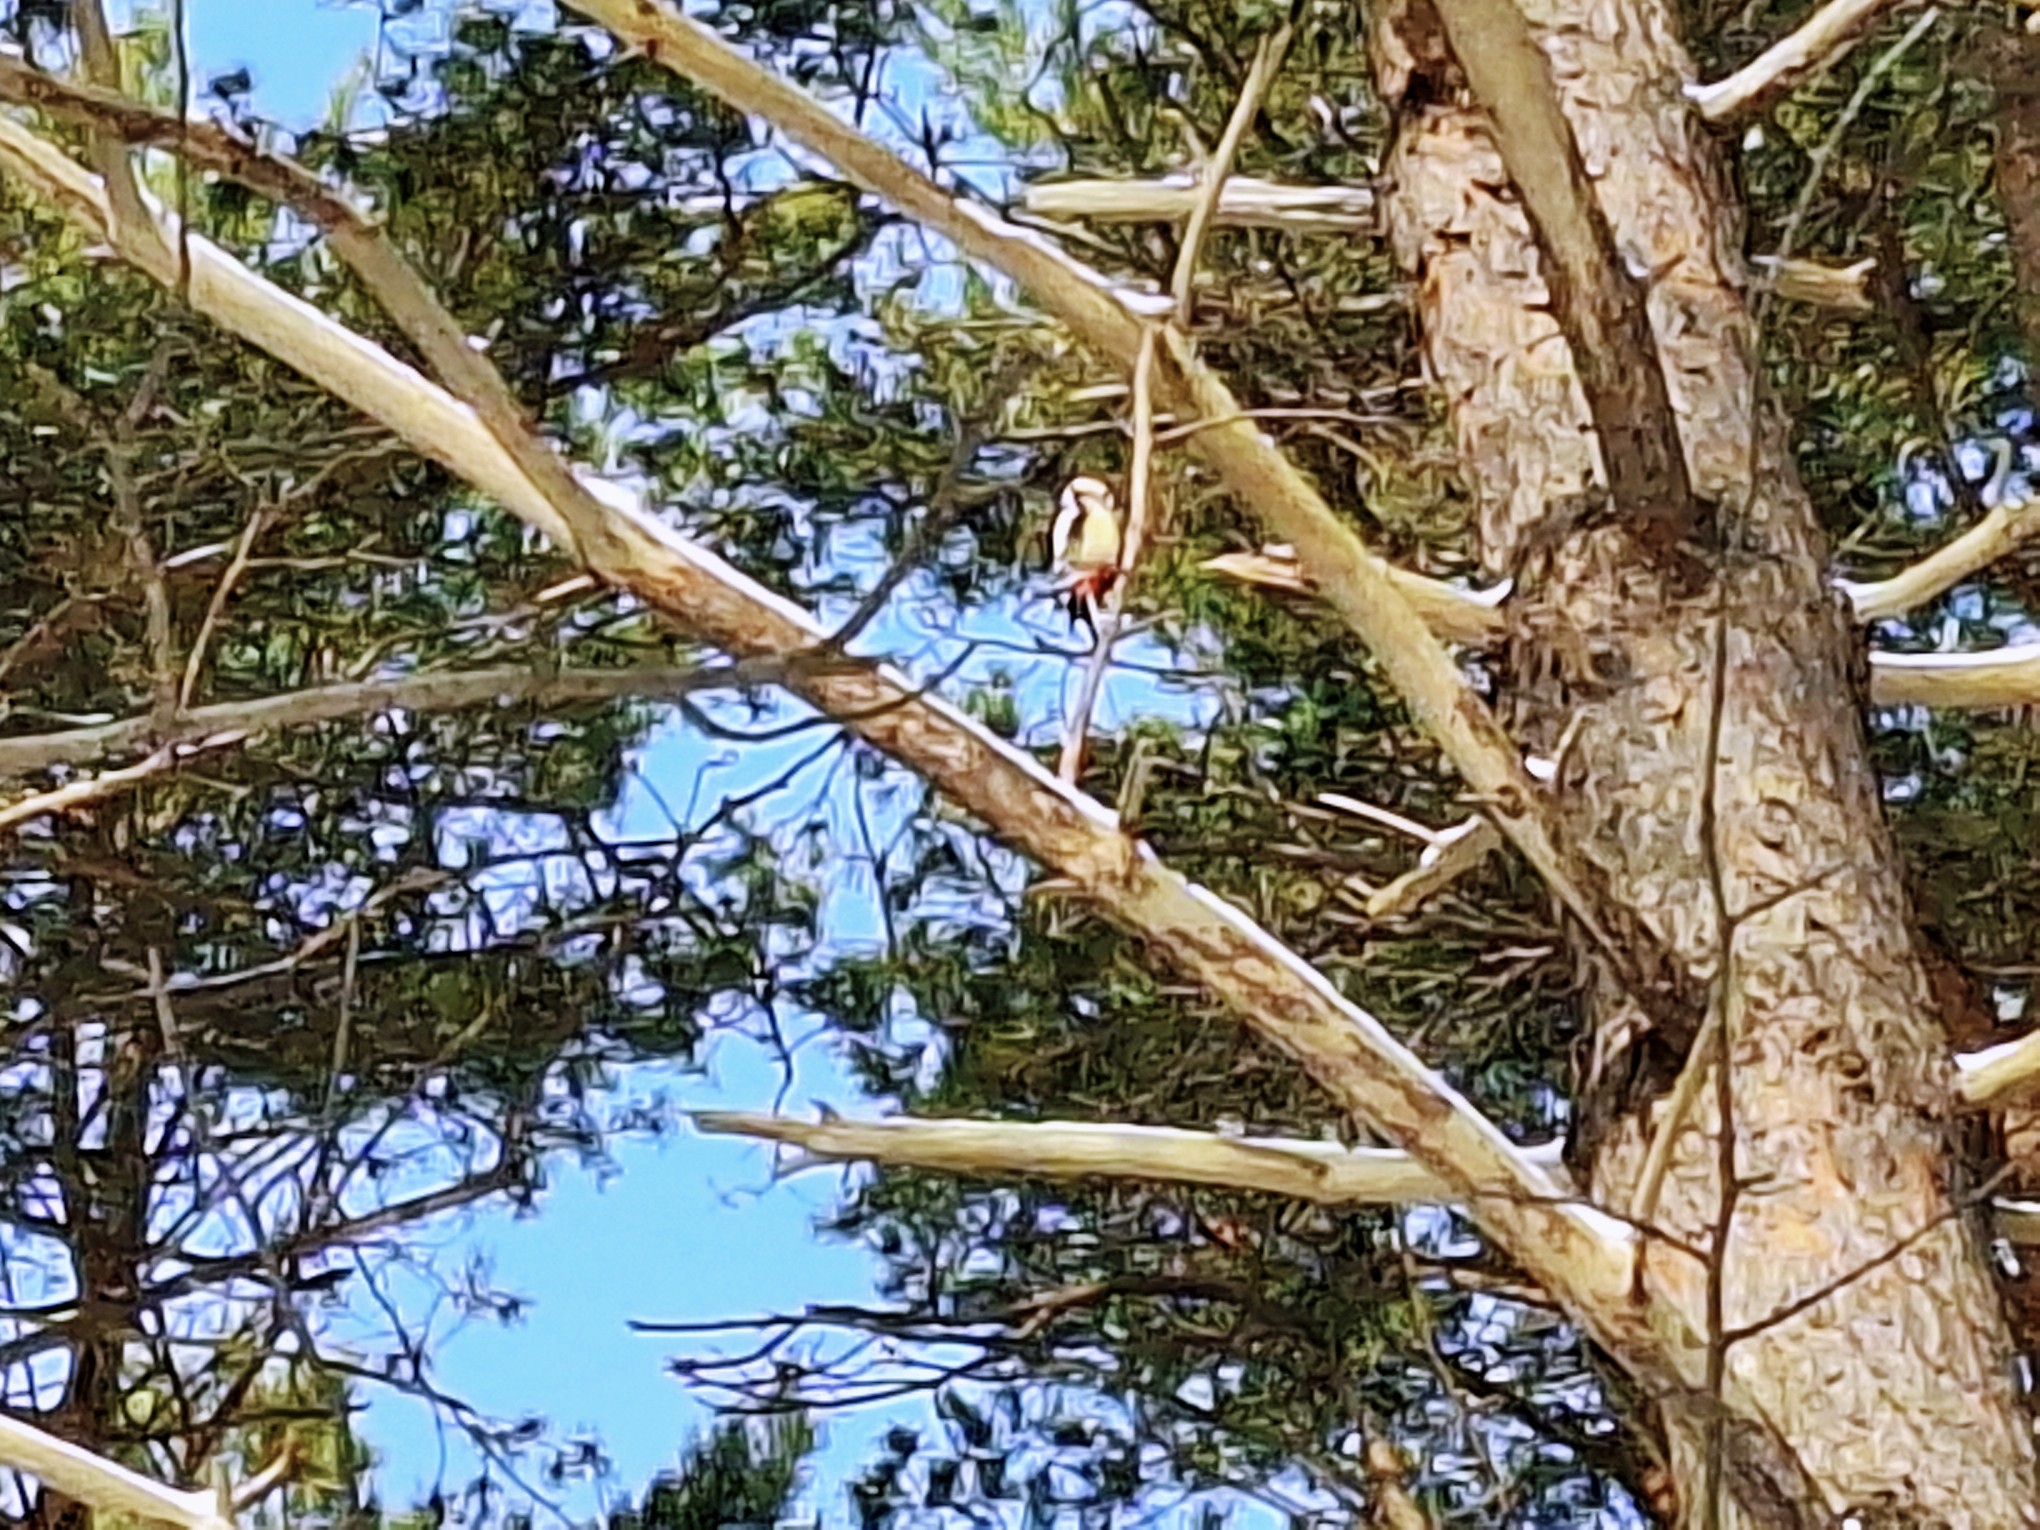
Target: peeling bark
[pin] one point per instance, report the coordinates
(1715, 772)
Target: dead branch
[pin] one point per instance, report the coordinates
(1576, 1253)
(433, 691)
(74, 795)
(2003, 530)
(1327, 1173)
(106, 1485)
(1323, 1173)
(2005, 677)
(1213, 176)
(1247, 202)
(1813, 49)
(1357, 584)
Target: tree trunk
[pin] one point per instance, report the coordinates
(1859, 1309)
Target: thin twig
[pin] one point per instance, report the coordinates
(944, 505)
(194, 662)
(1138, 488)
(1211, 187)
(77, 794)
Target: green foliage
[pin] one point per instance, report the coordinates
(424, 933)
(741, 1477)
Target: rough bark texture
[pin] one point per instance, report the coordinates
(1893, 1384)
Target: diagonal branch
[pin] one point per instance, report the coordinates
(1811, 50)
(1572, 1250)
(1357, 584)
(1260, 75)
(106, 1485)
(73, 795)
(2003, 530)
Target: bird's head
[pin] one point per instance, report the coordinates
(1085, 494)
(1081, 497)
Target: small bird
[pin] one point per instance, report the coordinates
(1085, 545)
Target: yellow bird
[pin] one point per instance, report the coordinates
(1085, 544)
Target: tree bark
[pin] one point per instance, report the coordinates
(1714, 767)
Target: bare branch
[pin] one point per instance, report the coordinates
(1568, 1247)
(216, 604)
(77, 794)
(106, 1485)
(1324, 1173)
(1468, 616)
(1244, 202)
(1815, 48)
(1997, 1075)
(2004, 529)
(433, 691)
(1458, 851)
(1260, 75)
(2005, 677)
(1247, 202)
(1327, 1173)
(1597, 302)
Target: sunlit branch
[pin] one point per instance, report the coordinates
(106, 1485)
(2003, 530)
(1247, 202)
(1999, 1074)
(2003, 677)
(1324, 1173)
(1570, 1249)
(1827, 35)
(1328, 1173)
(432, 691)
(1458, 851)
